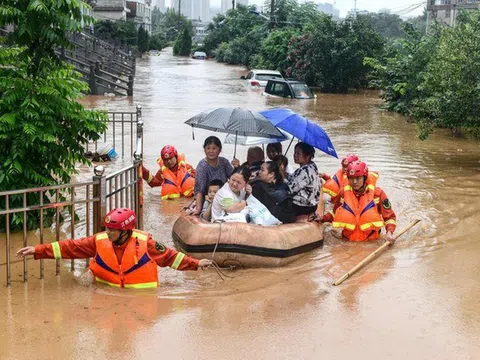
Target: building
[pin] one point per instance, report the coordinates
(193, 9)
(140, 13)
(160, 5)
(329, 9)
(200, 29)
(445, 11)
(228, 4)
(353, 13)
(111, 10)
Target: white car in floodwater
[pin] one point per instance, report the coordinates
(154, 53)
(260, 78)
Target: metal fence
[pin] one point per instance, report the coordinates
(121, 131)
(78, 209)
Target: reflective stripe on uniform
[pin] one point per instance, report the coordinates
(329, 192)
(188, 192)
(141, 285)
(139, 236)
(343, 225)
(101, 281)
(150, 178)
(178, 260)
(377, 224)
(373, 173)
(391, 221)
(57, 253)
(101, 236)
(371, 187)
(347, 187)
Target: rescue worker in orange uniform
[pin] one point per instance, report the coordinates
(122, 256)
(334, 184)
(363, 208)
(176, 177)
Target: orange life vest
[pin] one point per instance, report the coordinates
(359, 217)
(333, 186)
(136, 270)
(176, 183)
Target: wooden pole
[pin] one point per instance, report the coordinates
(372, 255)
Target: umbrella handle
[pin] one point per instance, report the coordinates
(235, 149)
(288, 147)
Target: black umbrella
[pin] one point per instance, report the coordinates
(236, 121)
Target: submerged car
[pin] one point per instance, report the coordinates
(154, 53)
(200, 55)
(288, 88)
(260, 77)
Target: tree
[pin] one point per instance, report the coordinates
(183, 44)
(235, 23)
(142, 40)
(330, 54)
(274, 50)
(387, 25)
(43, 128)
(452, 80)
(125, 32)
(400, 73)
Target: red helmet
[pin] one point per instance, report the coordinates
(168, 151)
(349, 159)
(121, 219)
(357, 168)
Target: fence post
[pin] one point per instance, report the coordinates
(139, 119)
(100, 192)
(91, 80)
(130, 85)
(138, 163)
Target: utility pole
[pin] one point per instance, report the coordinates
(355, 8)
(233, 4)
(179, 6)
(272, 10)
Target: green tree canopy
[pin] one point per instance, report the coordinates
(43, 128)
(330, 54)
(183, 43)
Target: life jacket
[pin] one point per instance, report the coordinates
(333, 186)
(136, 270)
(359, 217)
(176, 183)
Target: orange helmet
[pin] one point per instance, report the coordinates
(349, 159)
(357, 168)
(168, 151)
(121, 219)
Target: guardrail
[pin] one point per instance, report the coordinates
(78, 209)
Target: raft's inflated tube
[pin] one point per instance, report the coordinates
(246, 245)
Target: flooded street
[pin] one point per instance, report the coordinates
(419, 300)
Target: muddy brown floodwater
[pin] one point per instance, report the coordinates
(419, 300)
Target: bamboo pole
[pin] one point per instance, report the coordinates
(372, 255)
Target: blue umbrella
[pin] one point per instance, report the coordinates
(301, 128)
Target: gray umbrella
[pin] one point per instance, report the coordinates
(236, 121)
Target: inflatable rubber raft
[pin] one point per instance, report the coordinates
(246, 245)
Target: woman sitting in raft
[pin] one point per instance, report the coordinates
(274, 193)
(230, 199)
(305, 182)
(211, 167)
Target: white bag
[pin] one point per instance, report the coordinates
(234, 217)
(259, 214)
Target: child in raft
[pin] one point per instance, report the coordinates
(231, 198)
(213, 188)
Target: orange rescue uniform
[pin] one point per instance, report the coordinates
(362, 215)
(130, 265)
(175, 182)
